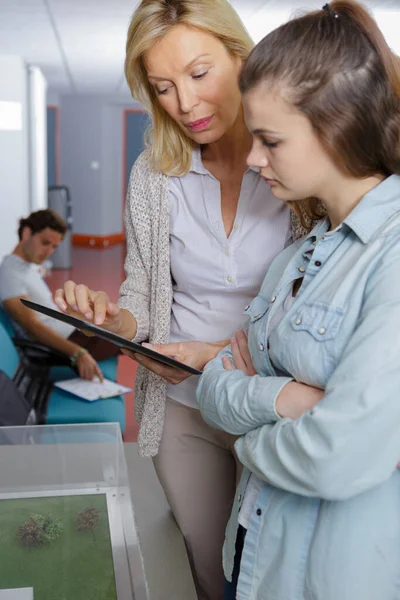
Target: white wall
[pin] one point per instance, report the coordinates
(81, 162)
(52, 98)
(14, 172)
(112, 167)
(91, 154)
(37, 88)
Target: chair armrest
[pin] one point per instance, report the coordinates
(40, 354)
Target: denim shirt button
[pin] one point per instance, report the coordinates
(247, 307)
(261, 347)
(273, 298)
(298, 321)
(321, 330)
(259, 512)
(302, 269)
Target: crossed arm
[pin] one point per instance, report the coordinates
(349, 441)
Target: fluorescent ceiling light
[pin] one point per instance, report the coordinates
(10, 116)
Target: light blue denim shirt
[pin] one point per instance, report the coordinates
(326, 523)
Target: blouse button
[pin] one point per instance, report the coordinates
(229, 279)
(302, 269)
(261, 347)
(321, 330)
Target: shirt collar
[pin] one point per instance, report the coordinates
(198, 167)
(197, 164)
(375, 208)
(318, 230)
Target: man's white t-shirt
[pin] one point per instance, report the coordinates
(19, 277)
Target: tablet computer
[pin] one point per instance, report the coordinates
(110, 337)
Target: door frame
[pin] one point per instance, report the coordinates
(126, 112)
(56, 109)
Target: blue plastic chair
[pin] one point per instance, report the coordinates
(64, 408)
(6, 321)
(9, 358)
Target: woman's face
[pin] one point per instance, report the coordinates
(285, 148)
(196, 82)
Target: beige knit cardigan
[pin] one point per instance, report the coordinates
(147, 290)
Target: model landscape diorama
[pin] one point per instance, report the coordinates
(59, 546)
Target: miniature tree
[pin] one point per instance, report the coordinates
(39, 530)
(30, 533)
(87, 520)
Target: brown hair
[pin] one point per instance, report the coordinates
(171, 150)
(41, 219)
(336, 68)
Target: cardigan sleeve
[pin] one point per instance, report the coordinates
(135, 290)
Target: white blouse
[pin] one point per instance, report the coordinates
(215, 277)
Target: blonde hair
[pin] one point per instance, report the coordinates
(171, 150)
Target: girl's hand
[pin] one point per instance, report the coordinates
(297, 398)
(240, 354)
(294, 399)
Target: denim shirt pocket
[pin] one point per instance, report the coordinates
(318, 325)
(256, 332)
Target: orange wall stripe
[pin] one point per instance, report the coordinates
(97, 241)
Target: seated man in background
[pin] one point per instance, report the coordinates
(20, 277)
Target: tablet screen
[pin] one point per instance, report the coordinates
(111, 337)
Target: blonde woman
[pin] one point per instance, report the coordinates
(201, 231)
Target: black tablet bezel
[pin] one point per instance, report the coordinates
(111, 337)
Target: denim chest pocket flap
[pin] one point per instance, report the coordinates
(319, 319)
(257, 308)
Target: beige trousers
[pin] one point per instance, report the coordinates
(198, 471)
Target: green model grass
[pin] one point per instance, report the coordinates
(78, 565)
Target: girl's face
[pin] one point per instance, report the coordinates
(289, 154)
(196, 82)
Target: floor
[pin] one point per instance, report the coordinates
(102, 269)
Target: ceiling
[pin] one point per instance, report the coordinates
(80, 44)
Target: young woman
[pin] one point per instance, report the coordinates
(201, 230)
(316, 515)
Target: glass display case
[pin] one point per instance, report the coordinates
(67, 527)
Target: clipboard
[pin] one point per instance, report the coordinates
(110, 337)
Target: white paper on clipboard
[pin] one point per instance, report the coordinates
(92, 390)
